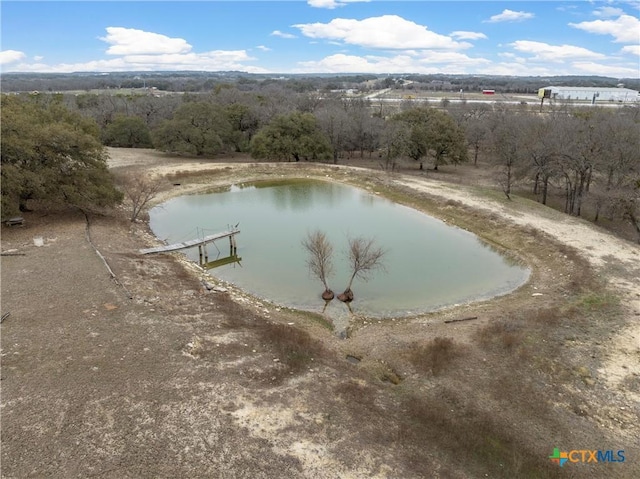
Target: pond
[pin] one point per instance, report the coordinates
(428, 264)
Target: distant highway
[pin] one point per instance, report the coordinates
(529, 101)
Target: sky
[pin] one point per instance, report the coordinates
(518, 38)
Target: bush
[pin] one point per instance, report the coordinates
(436, 355)
(295, 348)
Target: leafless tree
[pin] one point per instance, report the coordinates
(139, 191)
(472, 119)
(505, 133)
(618, 171)
(540, 144)
(394, 141)
(320, 259)
(365, 257)
(336, 125)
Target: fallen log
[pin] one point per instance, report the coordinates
(462, 319)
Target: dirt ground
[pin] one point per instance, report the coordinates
(146, 373)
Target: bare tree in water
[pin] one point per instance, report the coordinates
(320, 259)
(365, 257)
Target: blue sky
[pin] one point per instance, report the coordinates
(519, 38)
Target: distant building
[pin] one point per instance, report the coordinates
(592, 94)
(346, 91)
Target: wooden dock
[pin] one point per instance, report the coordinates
(200, 242)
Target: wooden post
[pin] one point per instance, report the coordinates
(200, 253)
(206, 253)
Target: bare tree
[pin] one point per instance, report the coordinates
(320, 260)
(618, 171)
(139, 191)
(394, 144)
(540, 146)
(336, 124)
(472, 119)
(506, 132)
(365, 257)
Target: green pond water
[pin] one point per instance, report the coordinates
(428, 264)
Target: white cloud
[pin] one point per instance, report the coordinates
(337, 63)
(510, 16)
(10, 56)
(263, 48)
(522, 67)
(146, 51)
(216, 60)
(427, 62)
(115, 64)
(129, 41)
(518, 68)
(554, 53)
(385, 32)
(461, 35)
(278, 33)
(631, 49)
(608, 12)
(624, 29)
(591, 68)
(528, 58)
(223, 60)
(38, 58)
(331, 4)
(173, 62)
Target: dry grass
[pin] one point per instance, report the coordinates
(357, 393)
(436, 355)
(502, 334)
(296, 349)
(184, 175)
(469, 434)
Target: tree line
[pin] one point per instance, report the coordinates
(203, 82)
(589, 155)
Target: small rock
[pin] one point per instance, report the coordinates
(583, 372)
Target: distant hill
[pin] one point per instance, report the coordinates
(198, 81)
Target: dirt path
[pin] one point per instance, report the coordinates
(617, 260)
